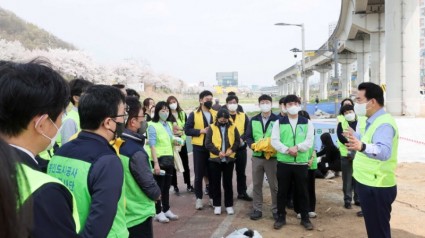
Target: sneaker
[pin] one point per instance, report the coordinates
(217, 210)
(211, 202)
(299, 215)
(199, 204)
(230, 211)
(177, 191)
(330, 175)
(207, 189)
(245, 197)
(360, 214)
(170, 215)
(280, 221)
(160, 217)
(190, 189)
(312, 214)
(307, 224)
(255, 215)
(338, 174)
(347, 205)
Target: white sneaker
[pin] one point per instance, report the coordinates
(160, 217)
(330, 175)
(299, 215)
(312, 214)
(170, 215)
(199, 204)
(211, 203)
(230, 211)
(217, 210)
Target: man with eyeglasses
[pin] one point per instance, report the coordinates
(90, 167)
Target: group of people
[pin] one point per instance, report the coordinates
(105, 167)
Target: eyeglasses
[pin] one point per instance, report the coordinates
(125, 116)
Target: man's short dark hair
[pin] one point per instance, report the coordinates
(134, 107)
(264, 97)
(231, 93)
(291, 98)
(204, 94)
(78, 86)
(281, 100)
(28, 90)
(372, 91)
(132, 93)
(231, 97)
(98, 103)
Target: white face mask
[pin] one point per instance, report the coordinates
(283, 109)
(173, 106)
(350, 116)
(266, 107)
(53, 139)
(293, 110)
(360, 109)
(232, 107)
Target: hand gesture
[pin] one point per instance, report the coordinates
(353, 143)
(222, 155)
(229, 152)
(156, 169)
(293, 151)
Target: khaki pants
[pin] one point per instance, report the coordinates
(259, 167)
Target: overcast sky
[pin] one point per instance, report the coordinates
(189, 39)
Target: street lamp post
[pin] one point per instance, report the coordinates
(305, 86)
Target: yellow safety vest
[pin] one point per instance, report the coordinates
(218, 141)
(199, 124)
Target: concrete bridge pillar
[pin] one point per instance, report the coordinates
(346, 69)
(324, 76)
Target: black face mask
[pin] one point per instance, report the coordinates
(119, 129)
(143, 127)
(208, 104)
(222, 124)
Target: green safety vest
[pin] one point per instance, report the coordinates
(30, 180)
(289, 139)
(361, 126)
(181, 123)
(73, 115)
(164, 143)
(258, 134)
(374, 172)
(74, 174)
(139, 207)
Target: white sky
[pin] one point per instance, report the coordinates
(189, 39)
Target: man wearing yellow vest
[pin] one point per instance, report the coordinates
(32, 99)
(141, 188)
(376, 159)
(197, 125)
(241, 122)
(292, 137)
(90, 167)
(71, 122)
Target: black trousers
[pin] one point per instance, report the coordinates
(311, 188)
(164, 183)
(200, 164)
(348, 181)
(143, 230)
(240, 164)
(376, 207)
(186, 173)
(216, 172)
(286, 174)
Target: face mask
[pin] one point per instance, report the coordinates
(232, 107)
(163, 115)
(360, 109)
(222, 124)
(283, 109)
(265, 107)
(53, 139)
(293, 110)
(143, 127)
(173, 106)
(208, 104)
(119, 129)
(350, 116)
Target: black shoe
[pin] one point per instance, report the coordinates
(255, 215)
(280, 221)
(360, 214)
(357, 203)
(275, 216)
(307, 224)
(347, 205)
(206, 189)
(245, 197)
(177, 191)
(190, 189)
